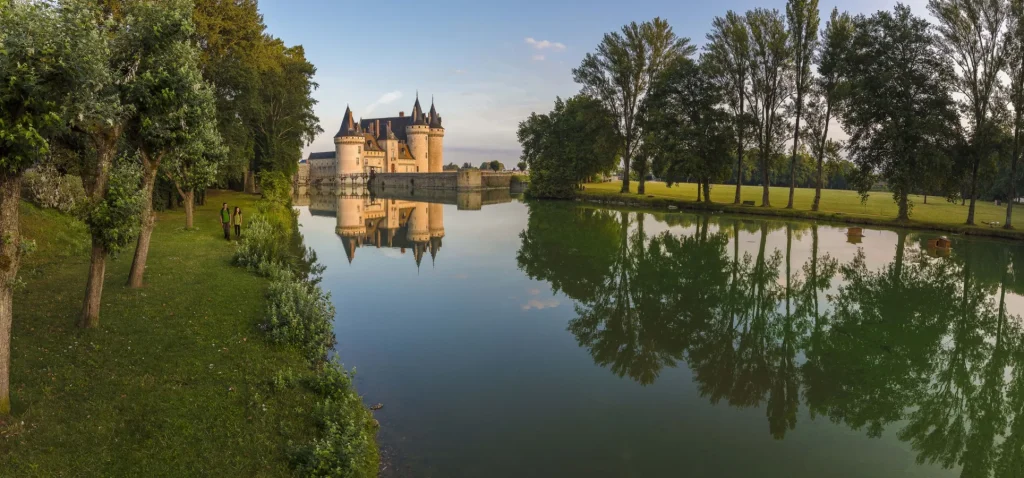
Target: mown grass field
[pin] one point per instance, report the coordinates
(879, 206)
(176, 379)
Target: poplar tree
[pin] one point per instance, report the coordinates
(727, 59)
(620, 73)
(770, 61)
(1015, 70)
(802, 19)
(831, 59)
(972, 42)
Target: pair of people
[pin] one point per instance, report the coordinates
(228, 219)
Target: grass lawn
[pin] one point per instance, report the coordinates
(879, 206)
(176, 379)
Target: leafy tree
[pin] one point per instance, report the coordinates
(770, 61)
(485, 165)
(47, 55)
(1015, 70)
(802, 19)
(497, 166)
(727, 57)
(563, 148)
(521, 165)
(171, 102)
(689, 134)
(899, 114)
(971, 41)
(620, 73)
(830, 60)
(467, 166)
(194, 166)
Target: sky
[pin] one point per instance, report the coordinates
(487, 65)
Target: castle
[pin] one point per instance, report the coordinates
(400, 144)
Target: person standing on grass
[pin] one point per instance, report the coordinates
(225, 220)
(237, 221)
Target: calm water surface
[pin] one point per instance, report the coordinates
(558, 339)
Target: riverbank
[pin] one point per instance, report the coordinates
(837, 206)
(177, 380)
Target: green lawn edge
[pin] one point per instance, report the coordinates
(655, 202)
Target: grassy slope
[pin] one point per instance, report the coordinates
(879, 207)
(174, 382)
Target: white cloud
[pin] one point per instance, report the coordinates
(460, 71)
(385, 99)
(538, 57)
(545, 44)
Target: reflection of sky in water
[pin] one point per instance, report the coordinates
(480, 375)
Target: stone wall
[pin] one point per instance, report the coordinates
(495, 180)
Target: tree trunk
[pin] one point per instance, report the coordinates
(796, 145)
(250, 181)
(172, 201)
(138, 270)
(739, 152)
(926, 199)
(1013, 179)
(707, 191)
(94, 286)
(641, 177)
(625, 172)
(904, 212)
(765, 201)
(974, 192)
(821, 158)
(96, 189)
(698, 190)
(188, 200)
(10, 241)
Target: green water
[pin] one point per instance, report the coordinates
(559, 339)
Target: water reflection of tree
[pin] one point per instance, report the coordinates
(922, 344)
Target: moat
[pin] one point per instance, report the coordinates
(560, 339)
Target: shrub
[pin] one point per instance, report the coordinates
(114, 220)
(300, 314)
(48, 188)
(347, 444)
(275, 187)
(261, 247)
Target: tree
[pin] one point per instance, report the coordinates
(1015, 70)
(971, 33)
(899, 114)
(689, 133)
(283, 121)
(46, 55)
(727, 56)
(802, 18)
(831, 59)
(573, 142)
(770, 86)
(171, 101)
(466, 165)
(521, 165)
(621, 71)
(497, 166)
(195, 165)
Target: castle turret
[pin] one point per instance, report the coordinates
(349, 223)
(348, 144)
(416, 134)
(435, 144)
(390, 149)
(417, 228)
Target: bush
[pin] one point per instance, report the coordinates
(347, 444)
(48, 188)
(275, 187)
(300, 314)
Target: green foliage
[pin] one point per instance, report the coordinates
(771, 86)
(113, 220)
(47, 187)
(300, 314)
(275, 187)
(346, 447)
(563, 148)
(901, 119)
(621, 71)
(689, 134)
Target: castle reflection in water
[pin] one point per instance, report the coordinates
(412, 221)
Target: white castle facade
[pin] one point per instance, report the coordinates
(399, 144)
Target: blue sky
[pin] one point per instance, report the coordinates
(488, 65)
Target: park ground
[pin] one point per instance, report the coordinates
(176, 381)
(839, 205)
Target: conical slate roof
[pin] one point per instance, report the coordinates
(435, 119)
(418, 118)
(349, 127)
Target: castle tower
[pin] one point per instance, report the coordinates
(418, 229)
(435, 143)
(417, 134)
(390, 149)
(348, 145)
(436, 215)
(349, 223)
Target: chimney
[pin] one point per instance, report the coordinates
(401, 114)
